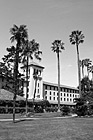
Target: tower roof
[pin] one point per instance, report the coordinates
(34, 64)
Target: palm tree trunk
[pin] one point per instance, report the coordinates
(87, 71)
(92, 76)
(34, 92)
(27, 84)
(82, 71)
(79, 74)
(58, 82)
(15, 78)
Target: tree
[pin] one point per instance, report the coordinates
(5, 73)
(87, 89)
(88, 65)
(82, 65)
(19, 34)
(9, 71)
(85, 84)
(57, 47)
(31, 49)
(36, 77)
(77, 38)
(91, 70)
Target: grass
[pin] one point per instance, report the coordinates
(48, 129)
(36, 115)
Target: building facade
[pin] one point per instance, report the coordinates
(67, 94)
(32, 69)
(48, 91)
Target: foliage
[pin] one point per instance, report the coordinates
(51, 109)
(65, 110)
(57, 47)
(30, 50)
(83, 107)
(8, 73)
(87, 89)
(77, 38)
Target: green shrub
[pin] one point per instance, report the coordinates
(51, 109)
(65, 110)
(81, 110)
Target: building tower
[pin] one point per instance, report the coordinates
(34, 70)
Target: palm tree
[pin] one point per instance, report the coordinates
(57, 47)
(91, 70)
(36, 77)
(31, 49)
(19, 34)
(82, 65)
(88, 65)
(76, 38)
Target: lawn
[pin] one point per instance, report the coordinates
(48, 129)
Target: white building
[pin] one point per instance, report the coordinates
(67, 94)
(32, 68)
(48, 91)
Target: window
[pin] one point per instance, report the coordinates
(61, 99)
(70, 100)
(61, 94)
(53, 98)
(67, 95)
(38, 90)
(38, 84)
(64, 99)
(38, 96)
(63, 89)
(73, 95)
(45, 86)
(46, 97)
(70, 95)
(56, 88)
(54, 93)
(64, 94)
(67, 99)
(50, 97)
(45, 92)
(29, 71)
(48, 87)
(72, 91)
(60, 89)
(34, 71)
(39, 72)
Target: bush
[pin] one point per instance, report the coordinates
(38, 109)
(51, 109)
(81, 110)
(65, 110)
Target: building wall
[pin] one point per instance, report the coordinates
(67, 94)
(32, 69)
(49, 91)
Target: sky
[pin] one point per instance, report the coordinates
(49, 20)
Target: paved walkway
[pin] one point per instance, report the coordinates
(33, 118)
